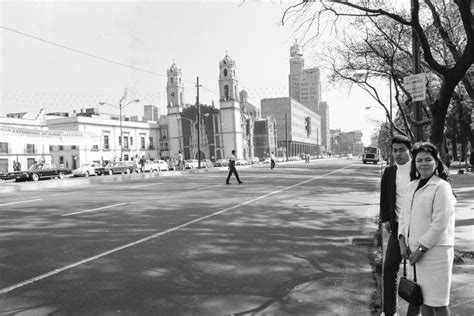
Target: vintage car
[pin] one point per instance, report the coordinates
(120, 167)
(41, 170)
(206, 163)
(221, 163)
(161, 165)
(191, 164)
(89, 169)
(5, 176)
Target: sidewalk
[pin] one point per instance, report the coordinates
(462, 288)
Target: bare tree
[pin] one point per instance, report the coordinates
(445, 30)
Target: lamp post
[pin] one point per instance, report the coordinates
(120, 107)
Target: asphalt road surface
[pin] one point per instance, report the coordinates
(289, 241)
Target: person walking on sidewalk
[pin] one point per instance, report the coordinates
(272, 161)
(232, 169)
(427, 228)
(392, 191)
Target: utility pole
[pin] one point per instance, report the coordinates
(415, 6)
(199, 122)
(286, 134)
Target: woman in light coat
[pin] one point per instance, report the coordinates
(426, 232)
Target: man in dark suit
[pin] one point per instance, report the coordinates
(392, 190)
(232, 169)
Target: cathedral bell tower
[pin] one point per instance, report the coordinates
(175, 98)
(230, 118)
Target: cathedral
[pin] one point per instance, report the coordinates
(212, 133)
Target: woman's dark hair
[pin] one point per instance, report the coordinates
(401, 139)
(431, 149)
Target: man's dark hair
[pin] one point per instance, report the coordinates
(401, 139)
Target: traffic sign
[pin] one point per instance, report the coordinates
(416, 86)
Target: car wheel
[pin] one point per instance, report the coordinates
(86, 174)
(111, 172)
(128, 171)
(61, 175)
(35, 177)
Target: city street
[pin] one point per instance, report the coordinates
(294, 240)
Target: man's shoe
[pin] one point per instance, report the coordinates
(227, 183)
(241, 182)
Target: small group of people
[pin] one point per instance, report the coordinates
(16, 165)
(417, 209)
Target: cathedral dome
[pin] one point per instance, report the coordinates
(173, 68)
(227, 60)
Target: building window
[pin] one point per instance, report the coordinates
(225, 72)
(125, 142)
(131, 141)
(106, 142)
(151, 142)
(51, 148)
(30, 149)
(142, 142)
(3, 148)
(61, 160)
(95, 147)
(3, 165)
(226, 92)
(120, 141)
(73, 147)
(60, 148)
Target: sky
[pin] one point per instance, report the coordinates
(68, 55)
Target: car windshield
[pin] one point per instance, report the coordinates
(36, 166)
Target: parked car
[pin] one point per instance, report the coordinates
(160, 165)
(5, 176)
(206, 163)
(172, 164)
(191, 164)
(254, 160)
(221, 163)
(241, 162)
(41, 170)
(89, 169)
(120, 167)
(149, 166)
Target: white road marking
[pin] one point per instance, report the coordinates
(211, 186)
(137, 242)
(144, 185)
(18, 202)
(94, 209)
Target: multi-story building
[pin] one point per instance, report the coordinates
(112, 139)
(305, 87)
(298, 127)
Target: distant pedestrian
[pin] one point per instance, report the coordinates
(272, 161)
(180, 160)
(18, 166)
(142, 164)
(232, 169)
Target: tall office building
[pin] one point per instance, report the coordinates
(305, 87)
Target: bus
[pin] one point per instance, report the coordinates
(371, 154)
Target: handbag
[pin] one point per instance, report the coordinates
(409, 290)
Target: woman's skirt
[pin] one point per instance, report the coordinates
(434, 274)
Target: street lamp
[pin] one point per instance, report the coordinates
(120, 107)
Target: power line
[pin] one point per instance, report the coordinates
(94, 56)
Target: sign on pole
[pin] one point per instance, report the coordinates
(416, 86)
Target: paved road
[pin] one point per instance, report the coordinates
(294, 240)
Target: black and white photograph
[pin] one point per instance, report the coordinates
(237, 157)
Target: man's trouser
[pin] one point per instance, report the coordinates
(391, 266)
